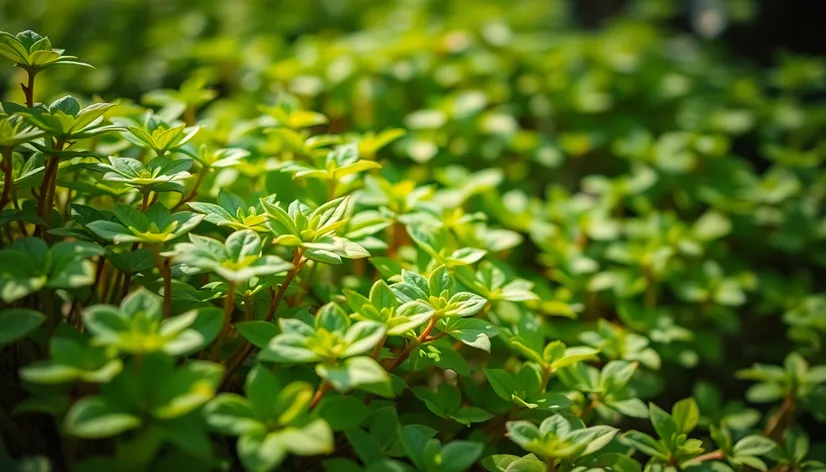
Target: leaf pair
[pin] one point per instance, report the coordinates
(560, 436)
(314, 230)
(161, 174)
(138, 327)
(33, 52)
(337, 346)
(156, 226)
(609, 387)
(236, 260)
(64, 118)
(30, 265)
(438, 292)
(526, 389)
(270, 422)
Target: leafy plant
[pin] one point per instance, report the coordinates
(408, 236)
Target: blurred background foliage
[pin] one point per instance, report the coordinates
(663, 159)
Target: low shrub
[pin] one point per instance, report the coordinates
(474, 249)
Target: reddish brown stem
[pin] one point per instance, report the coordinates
(710, 456)
(377, 350)
(423, 338)
(781, 419)
(305, 285)
(47, 189)
(589, 409)
(28, 90)
(145, 202)
(297, 264)
(229, 306)
(322, 390)
(192, 193)
(246, 348)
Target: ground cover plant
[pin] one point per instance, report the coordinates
(434, 241)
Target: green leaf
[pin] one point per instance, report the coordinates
(258, 333)
(508, 463)
(362, 337)
(293, 402)
(549, 401)
(645, 444)
(233, 415)
(261, 387)
(192, 385)
(17, 323)
(686, 415)
(753, 445)
(501, 382)
(261, 451)
(616, 375)
(663, 423)
(95, 417)
(439, 281)
(288, 348)
(343, 412)
(524, 434)
(357, 372)
(364, 444)
(195, 330)
(464, 304)
(471, 414)
(458, 456)
(471, 331)
(414, 439)
(633, 407)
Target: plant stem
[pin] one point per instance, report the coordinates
(246, 348)
(127, 281)
(377, 350)
(546, 376)
(549, 465)
(423, 338)
(781, 419)
(229, 306)
(305, 284)
(322, 390)
(47, 189)
(98, 274)
(710, 456)
(166, 274)
(331, 192)
(28, 90)
(145, 202)
(590, 408)
(393, 238)
(298, 262)
(192, 193)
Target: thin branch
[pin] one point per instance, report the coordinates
(246, 348)
(322, 390)
(229, 306)
(781, 419)
(192, 193)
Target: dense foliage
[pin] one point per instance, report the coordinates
(440, 242)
